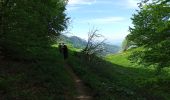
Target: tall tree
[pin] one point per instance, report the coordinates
(28, 24)
(152, 32)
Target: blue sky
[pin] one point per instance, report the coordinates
(110, 17)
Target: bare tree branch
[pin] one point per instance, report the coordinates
(95, 43)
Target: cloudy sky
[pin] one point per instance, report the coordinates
(110, 17)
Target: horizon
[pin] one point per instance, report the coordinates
(110, 17)
(107, 42)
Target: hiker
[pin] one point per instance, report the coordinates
(65, 51)
(60, 47)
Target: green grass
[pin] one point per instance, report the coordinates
(43, 78)
(122, 58)
(116, 78)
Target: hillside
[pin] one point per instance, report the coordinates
(79, 43)
(34, 66)
(75, 41)
(115, 77)
(40, 78)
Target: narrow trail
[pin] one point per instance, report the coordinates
(82, 90)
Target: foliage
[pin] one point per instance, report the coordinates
(152, 32)
(30, 24)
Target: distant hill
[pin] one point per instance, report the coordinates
(75, 41)
(111, 49)
(79, 43)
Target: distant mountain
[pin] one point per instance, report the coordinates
(111, 49)
(79, 43)
(75, 41)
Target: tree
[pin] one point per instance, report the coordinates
(151, 31)
(29, 24)
(94, 44)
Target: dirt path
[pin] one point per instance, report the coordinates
(82, 90)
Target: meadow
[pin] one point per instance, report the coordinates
(116, 78)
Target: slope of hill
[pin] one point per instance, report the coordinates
(75, 41)
(111, 49)
(116, 78)
(79, 43)
(45, 78)
(40, 78)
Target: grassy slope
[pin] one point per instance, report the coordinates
(117, 78)
(42, 79)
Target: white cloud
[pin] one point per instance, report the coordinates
(74, 2)
(127, 4)
(132, 3)
(71, 8)
(105, 20)
(122, 3)
(108, 20)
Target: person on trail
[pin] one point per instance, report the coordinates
(65, 51)
(60, 47)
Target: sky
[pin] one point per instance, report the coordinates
(110, 17)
